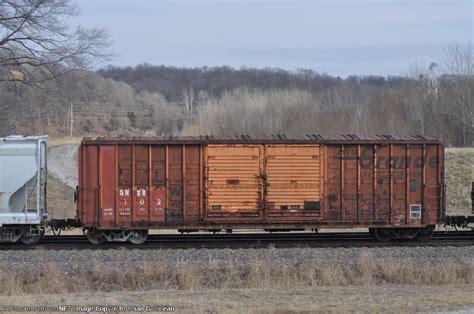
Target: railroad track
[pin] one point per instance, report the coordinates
(250, 240)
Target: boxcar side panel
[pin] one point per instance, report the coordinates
(175, 184)
(89, 192)
(382, 183)
(125, 181)
(385, 184)
(349, 181)
(108, 180)
(192, 174)
(415, 183)
(141, 187)
(137, 185)
(334, 176)
(80, 186)
(433, 189)
(158, 183)
(399, 184)
(129, 185)
(366, 183)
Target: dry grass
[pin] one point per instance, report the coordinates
(60, 199)
(459, 175)
(351, 299)
(55, 141)
(184, 276)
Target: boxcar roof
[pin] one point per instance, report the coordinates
(272, 139)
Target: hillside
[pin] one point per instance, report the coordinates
(158, 100)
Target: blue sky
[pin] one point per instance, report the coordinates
(338, 37)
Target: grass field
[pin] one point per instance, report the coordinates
(340, 299)
(364, 286)
(257, 274)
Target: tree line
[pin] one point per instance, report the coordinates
(169, 101)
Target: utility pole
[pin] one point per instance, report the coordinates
(72, 118)
(432, 81)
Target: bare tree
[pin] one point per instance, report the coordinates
(259, 113)
(188, 98)
(458, 91)
(35, 40)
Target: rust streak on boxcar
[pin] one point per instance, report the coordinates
(150, 186)
(374, 190)
(358, 192)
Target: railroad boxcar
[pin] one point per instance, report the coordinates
(22, 188)
(393, 186)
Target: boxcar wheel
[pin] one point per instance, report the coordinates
(424, 234)
(138, 236)
(383, 234)
(95, 237)
(30, 239)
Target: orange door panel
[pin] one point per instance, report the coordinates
(233, 180)
(293, 181)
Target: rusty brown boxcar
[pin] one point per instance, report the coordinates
(393, 186)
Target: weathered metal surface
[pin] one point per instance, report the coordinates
(192, 172)
(273, 139)
(233, 181)
(293, 181)
(193, 184)
(88, 188)
(269, 182)
(393, 184)
(129, 185)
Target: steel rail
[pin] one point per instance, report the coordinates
(250, 240)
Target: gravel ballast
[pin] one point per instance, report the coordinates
(83, 260)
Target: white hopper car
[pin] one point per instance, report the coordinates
(23, 211)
